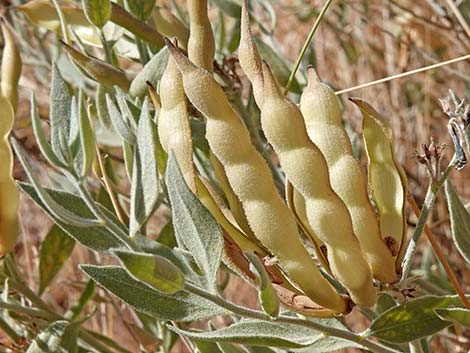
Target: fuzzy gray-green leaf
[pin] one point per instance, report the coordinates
(54, 252)
(180, 306)
(87, 139)
(98, 12)
(460, 222)
(412, 320)
(194, 225)
(154, 270)
(97, 238)
(60, 115)
(457, 315)
(152, 72)
(144, 193)
(119, 122)
(262, 333)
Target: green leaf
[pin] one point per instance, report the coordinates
(60, 116)
(87, 138)
(167, 235)
(144, 192)
(229, 7)
(459, 221)
(207, 347)
(85, 297)
(98, 12)
(267, 295)
(101, 107)
(413, 320)
(277, 64)
(59, 337)
(97, 238)
(120, 122)
(194, 225)
(141, 8)
(151, 72)
(41, 139)
(328, 344)
(456, 315)
(154, 270)
(259, 333)
(54, 252)
(181, 306)
(55, 208)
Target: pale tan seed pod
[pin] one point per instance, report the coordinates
(322, 115)
(201, 45)
(11, 66)
(173, 122)
(9, 197)
(306, 168)
(249, 57)
(251, 180)
(175, 136)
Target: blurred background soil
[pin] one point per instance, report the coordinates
(358, 41)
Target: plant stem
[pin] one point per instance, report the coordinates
(431, 195)
(255, 314)
(443, 260)
(307, 44)
(107, 50)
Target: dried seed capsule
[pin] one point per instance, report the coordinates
(306, 168)
(251, 180)
(322, 115)
(387, 179)
(201, 45)
(98, 70)
(11, 66)
(9, 198)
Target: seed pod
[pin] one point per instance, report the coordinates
(248, 55)
(175, 135)
(387, 180)
(201, 45)
(11, 66)
(9, 198)
(170, 26)
(322, 115)
(296, 203)
(98, 70)
(173, 122)
(251, 180)
(306, 168)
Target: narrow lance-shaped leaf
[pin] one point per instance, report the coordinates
(40, 136)
(120, 124)
(194, 225)
(456, 315)
(54, 252)
(144, 193)
(98, 12)
(87, 139)
(387, 179)
(180, 306)
(459, 221)
(262, 333)
(141, 8)
(152, 72)
(413, 320)
(267, 295)
(97, 238)
(55, 208)
(60, 116)
(154, 270)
